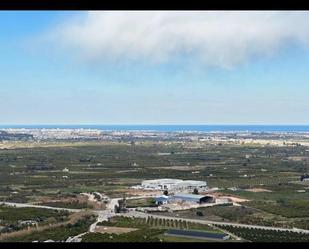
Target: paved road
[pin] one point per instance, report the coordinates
(103, 215)
(109, 212)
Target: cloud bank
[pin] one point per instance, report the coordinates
(224, 39)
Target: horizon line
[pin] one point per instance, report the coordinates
(158, 124)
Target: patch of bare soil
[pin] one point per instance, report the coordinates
(76, 202)
(230, 197)
(257, 190)
(116, 230)
(297, 158)
(126, 171)
(181, 168)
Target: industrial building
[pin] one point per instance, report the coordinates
(181, 197)
(174, 184)
(193, 198)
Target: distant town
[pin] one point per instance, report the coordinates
(270, 138)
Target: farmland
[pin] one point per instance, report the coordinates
(62, 232)
(259, 235)
(27, 173)
(56, 174)
(148, 230)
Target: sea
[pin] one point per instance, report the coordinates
(173, 128)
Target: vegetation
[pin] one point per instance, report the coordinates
(74, 205)
(284, 207)
(15, 219)
(59, 234)
(158, 223)
(145, 235)
(260, 235)
(149, 230)
(10, 214)
(146, 202)
(31, 174)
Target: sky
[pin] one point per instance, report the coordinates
(202, 67)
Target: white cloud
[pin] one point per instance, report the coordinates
(219, 38)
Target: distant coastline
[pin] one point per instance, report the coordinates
(173, 128)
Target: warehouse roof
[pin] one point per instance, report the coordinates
(193, 198)
(183, 195)
(161, 198)
(163, 181)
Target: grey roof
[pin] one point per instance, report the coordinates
(161, 198)
(183, 195)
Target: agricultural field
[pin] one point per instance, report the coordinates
(145, 235)
(147, 230)
(155, 223)
(265, 175)
(143, 202)
(58, 232)
(11, 219)
(28, 173)
(260, 235)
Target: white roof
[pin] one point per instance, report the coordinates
(163, 181)
(194, 182)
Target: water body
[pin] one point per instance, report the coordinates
(174, 128)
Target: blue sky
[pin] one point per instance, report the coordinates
(55, 71)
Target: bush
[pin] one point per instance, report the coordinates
(199, 213)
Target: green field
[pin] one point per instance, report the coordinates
(11, 218)
(259, 235)
(151, 229)
(31, 174)
(57, 234)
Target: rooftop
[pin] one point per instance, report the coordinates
(164, 180)
(183, 195)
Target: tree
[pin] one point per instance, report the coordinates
(195, 191)
(199, 213)
(120, 205)
(282, 202)
(116, 208)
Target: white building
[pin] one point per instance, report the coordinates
(65, 170)
(174, 184)
(160, 184)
